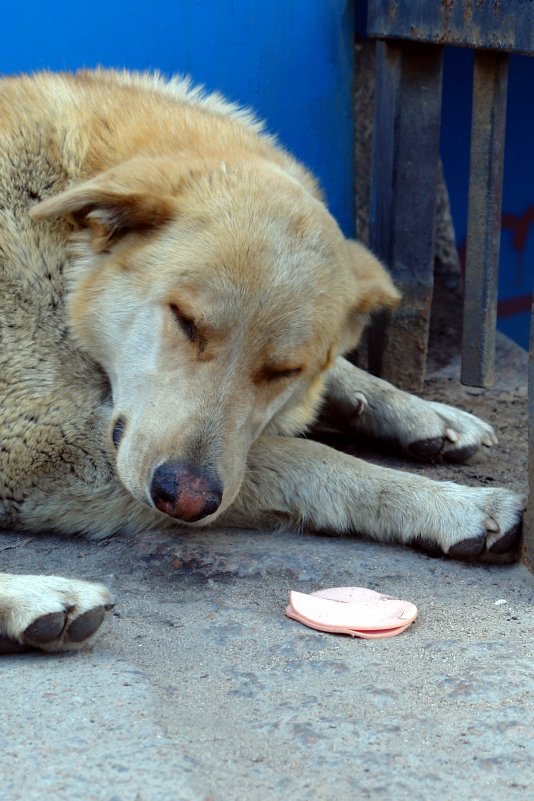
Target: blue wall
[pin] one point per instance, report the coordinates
(289, 59)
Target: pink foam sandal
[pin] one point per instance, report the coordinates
(352, 610)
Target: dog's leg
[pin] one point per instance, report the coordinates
(49, 613)
(424, 429)
(312, 484)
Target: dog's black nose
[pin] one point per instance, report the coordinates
(186, 491)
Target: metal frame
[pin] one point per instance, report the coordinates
(403, 201)
(410, 36)
(484, 218)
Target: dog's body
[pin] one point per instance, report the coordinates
(175, 302)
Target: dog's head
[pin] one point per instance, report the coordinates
(216, 296)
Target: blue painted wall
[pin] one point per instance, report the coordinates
(289, 59)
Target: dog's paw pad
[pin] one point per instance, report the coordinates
(426, 448)
(443, 448)
(46, 628)
(508, 541)
(86, 624)
(473, 546)
(428, 546)
(9, 646)
(460, 454)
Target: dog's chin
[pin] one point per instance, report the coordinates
(204, 523)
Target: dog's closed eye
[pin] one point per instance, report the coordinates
(118, 431)
(185, 323)
(272, 374)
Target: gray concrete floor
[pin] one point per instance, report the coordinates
(202, 689)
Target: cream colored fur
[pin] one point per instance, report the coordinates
(128, 205)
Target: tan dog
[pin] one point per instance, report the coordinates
(175, 303)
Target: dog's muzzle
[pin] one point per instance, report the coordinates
(186, 491)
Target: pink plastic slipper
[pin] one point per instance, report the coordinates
(352, 610)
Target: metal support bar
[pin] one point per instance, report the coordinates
(484, 218)
(492, 24)
(403, 198)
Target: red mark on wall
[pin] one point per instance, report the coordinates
(509, 307)
(519, 225)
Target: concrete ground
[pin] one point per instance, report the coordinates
(202, 689)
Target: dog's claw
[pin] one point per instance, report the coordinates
(451, 435)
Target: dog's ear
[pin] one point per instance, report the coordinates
(374, 286)
(372, 290)
(108, 208)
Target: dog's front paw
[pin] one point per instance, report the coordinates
(50, 613)
(475, 522)
(422, 429)
(447, 433)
